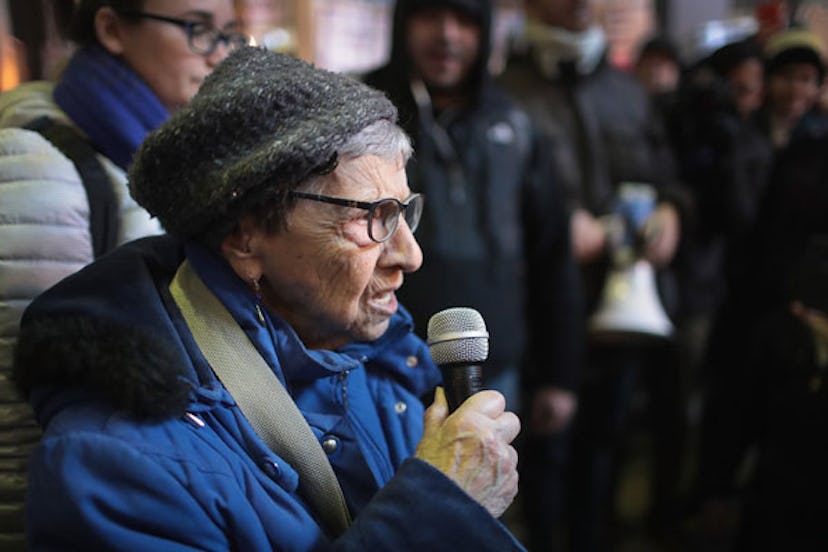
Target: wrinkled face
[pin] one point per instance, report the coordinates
(444, 45)
(793, 90)
(572, 15)
(323, 274)
(746, 85)
(158, 51)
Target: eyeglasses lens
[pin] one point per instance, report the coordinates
(384, 221)
(386, 217)
(205, 40)
(414, 211)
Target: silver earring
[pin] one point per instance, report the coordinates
(258, 290)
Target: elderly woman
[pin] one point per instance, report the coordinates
(291, 222)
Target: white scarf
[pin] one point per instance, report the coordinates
(552, 45)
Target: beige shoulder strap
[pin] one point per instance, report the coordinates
(261, 396)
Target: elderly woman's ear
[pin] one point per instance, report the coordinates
(239, 249)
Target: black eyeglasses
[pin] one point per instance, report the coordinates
(383, 215)
(201, 37)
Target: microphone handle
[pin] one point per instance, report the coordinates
(461, 381)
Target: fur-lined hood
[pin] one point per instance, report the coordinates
(79, 335)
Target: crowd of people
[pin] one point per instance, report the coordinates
(205, 243)
(747, 126)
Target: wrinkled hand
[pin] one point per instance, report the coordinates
(588, 236)
(661, 235)
(552, 409)
(472, 447)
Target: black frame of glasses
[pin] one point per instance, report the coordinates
(368, 206)
(228, 39)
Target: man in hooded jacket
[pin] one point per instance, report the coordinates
(494, 232)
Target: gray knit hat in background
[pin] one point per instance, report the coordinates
(261, 122)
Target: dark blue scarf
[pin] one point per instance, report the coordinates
(109, 102)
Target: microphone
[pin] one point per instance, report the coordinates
(459, 343)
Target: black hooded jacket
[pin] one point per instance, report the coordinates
(494, 233)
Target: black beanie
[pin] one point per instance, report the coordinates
(478, 9)
(664, 46)
(262, 121)
(730, 56)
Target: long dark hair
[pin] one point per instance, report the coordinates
(33, 23)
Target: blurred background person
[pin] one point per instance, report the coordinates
(63, 186)
(794, 73)
(741, 65)
(763, 190)
(772, 407)
(791, 212)
(723, 160)
(561, 75)
(767, 355)
(659, 66)
(495, 233)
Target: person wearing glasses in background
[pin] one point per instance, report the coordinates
(136, 63)
(284, 194)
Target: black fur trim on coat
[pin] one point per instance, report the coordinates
(138, 372)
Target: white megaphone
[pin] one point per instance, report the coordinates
(629, 306)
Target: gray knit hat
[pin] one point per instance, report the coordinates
(261, 124)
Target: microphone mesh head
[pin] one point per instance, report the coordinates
(458, 336)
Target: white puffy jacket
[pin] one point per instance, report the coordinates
(44, 237)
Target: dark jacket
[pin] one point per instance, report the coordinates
(767, 382)
(810, 126)
(601, 132)
(494, 233)
(776, 403)
(724, 161)
(144, 448)
(793, 209)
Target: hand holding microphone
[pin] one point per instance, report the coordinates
(469, 443)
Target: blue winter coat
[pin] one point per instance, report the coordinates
(144, 449)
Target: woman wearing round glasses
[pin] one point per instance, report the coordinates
(64, 150)
(291, 227)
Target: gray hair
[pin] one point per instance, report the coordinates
(382, 138)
